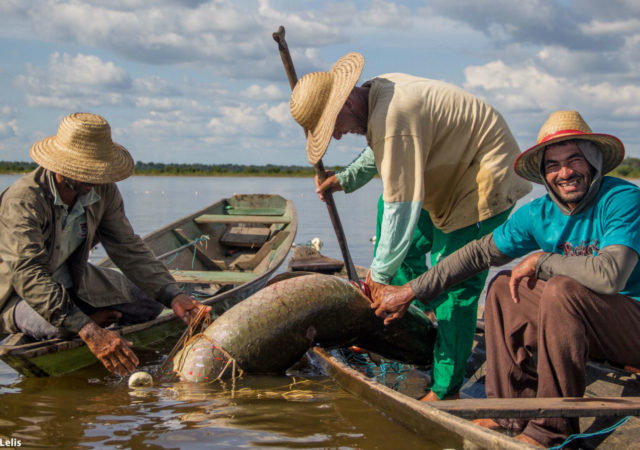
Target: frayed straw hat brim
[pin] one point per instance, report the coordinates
(564, 126)
(344, 74)
(83, 151)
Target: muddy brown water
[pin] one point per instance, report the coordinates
(91, 409)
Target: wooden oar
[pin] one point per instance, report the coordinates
(278, 36)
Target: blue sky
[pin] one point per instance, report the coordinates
(201, 80)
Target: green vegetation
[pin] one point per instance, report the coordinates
(235, 170)
(629, 168)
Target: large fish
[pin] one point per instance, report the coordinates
(269, 331)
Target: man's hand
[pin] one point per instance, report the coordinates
(186, 307)
(525, 268)
(394, 302)
(110, 348)
(331, 184)
(375, 288)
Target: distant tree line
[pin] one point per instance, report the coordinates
(629, 168)
(151, 168)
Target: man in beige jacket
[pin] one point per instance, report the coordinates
(50, 219)
(437, 149)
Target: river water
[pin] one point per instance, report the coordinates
(92, 409)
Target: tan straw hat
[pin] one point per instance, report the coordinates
(318, 97)
(83, 151)
(565, 126)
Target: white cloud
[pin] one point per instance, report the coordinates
(87, 70)
(270, 92)
(281, 114)
(239, 120)
(69, 82)
(385, 14)
(8, 129)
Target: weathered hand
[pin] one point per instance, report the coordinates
(375, 288)
(524, 269)
(110, 348)
(186, 307)
(394, 302)
(330, 184)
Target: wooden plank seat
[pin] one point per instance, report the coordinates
(226, 218)
(244, 236)
(218, 277)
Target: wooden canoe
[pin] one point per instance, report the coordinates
(612, 393)
(220, 254)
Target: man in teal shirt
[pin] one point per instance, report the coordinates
(576, 293)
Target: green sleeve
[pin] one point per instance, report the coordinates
(359, 172)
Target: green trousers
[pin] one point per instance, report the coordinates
(455, 309)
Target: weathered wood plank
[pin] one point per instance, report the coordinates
(224, 218)
(252, 263)
(221, 277)
(446, 430)
(496, 408)
(243, 236)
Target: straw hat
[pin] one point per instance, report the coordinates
(83, 151)
(318, 97)
(564, 126)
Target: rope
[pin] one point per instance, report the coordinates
(378, 372)
(194, 243)
(588, 435)
(202, 319)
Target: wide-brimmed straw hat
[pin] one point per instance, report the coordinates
(83, 151)
(565, 126)
(317, 99)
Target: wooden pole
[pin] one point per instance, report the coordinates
(278, 36)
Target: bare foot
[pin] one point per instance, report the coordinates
(432, 397)
(106, 317)
(529, 440)
(488, 423)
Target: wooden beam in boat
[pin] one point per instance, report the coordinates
(225, 218)
(503, 408)
(218, 277)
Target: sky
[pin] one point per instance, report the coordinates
(201, 81)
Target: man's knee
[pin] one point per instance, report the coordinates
(561, 297)
(29, 322)
(498, 287)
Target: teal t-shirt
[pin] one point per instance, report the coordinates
(614, 219)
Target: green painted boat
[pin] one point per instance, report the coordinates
(221, 255)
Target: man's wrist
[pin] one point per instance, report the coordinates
(88, 329)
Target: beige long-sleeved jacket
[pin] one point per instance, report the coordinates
(29, 227)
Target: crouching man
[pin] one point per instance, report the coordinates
(50, 219)
(574, 296)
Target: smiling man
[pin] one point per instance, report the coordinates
(576, 293)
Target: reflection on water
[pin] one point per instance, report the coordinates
(93, 410)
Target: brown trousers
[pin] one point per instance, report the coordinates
(564, 324)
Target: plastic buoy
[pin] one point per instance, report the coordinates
(140, 379)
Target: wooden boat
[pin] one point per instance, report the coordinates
(220, 254)
(448, 424)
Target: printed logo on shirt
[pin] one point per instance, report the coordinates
(581, 250)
